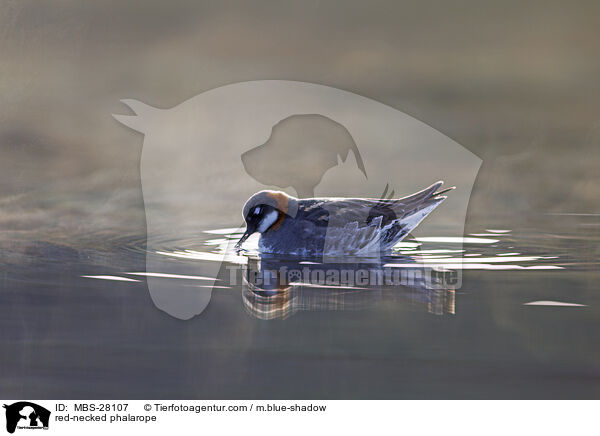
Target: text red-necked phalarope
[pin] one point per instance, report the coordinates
(334, 226)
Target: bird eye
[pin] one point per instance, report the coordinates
(257, 210)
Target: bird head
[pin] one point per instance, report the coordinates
(266, 210)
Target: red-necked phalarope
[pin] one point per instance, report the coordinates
(334, 226)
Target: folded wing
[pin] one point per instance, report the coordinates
(366, 225)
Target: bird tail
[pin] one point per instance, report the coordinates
(411, 210)
(443, 191)
(417, 206)
(423, 198)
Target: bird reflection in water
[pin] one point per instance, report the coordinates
(274, 288)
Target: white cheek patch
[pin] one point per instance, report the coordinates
(268, 221)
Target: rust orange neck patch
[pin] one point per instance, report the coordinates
(282, 201)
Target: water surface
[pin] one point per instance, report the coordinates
(78, 322)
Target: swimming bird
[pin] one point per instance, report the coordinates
(335, 226)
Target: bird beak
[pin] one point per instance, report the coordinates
(242, 239)
(249, 230)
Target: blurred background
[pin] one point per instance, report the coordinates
(516, 83)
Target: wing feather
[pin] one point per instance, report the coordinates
(365, 225)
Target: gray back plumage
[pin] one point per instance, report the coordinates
(351, 225)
